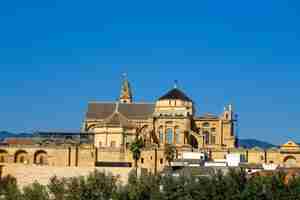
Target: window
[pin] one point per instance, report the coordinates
(213, 139)
(177, 135)
(2, 159)
(161, 135)
(113, 144)
(22, 159)
(213, 129)
(169, 136)
(150, 157)
(232, 131)
(142, 160)
(206, 125)
(262, 157)
(206, 137)
(161, 161)
(100, 144)
(41, 160)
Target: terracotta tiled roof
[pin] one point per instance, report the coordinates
(18, 141)
(98, 110)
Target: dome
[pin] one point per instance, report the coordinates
(175, 94)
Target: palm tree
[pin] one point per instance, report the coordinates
(136, 149)
(169, 153)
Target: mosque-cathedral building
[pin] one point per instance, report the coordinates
(110, 127)
(170, 120)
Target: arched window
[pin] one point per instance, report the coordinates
(206, 125)
(3, 154)
(21, 156)
(177, 135)
(161, 134)
(170, 136)
(40, 157)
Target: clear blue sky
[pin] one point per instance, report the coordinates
(55, 56)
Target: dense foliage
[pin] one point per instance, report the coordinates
(169, 153)
(99, 186)
(136, 150)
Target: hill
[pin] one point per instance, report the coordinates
(250, 143)
(6, 134)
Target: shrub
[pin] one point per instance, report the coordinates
(35, 191)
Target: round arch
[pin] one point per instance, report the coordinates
(21, 156)
(3, 156)
(290, 161)
(40, 157)
(91, 126)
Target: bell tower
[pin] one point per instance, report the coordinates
(126, 93)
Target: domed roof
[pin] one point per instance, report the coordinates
(175, 94)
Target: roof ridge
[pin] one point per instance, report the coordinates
(120, 118)
(113, 102)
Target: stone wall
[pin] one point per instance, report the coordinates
(27, 174)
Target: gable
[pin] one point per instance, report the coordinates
(99, 110)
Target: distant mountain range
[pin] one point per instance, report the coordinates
(245, 143)
(250, 143)
(6, 134)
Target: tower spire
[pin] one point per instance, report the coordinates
(126, 93)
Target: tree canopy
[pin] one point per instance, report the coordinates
(235, 185)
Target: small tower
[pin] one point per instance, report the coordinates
(126, 93)
(228, 112)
